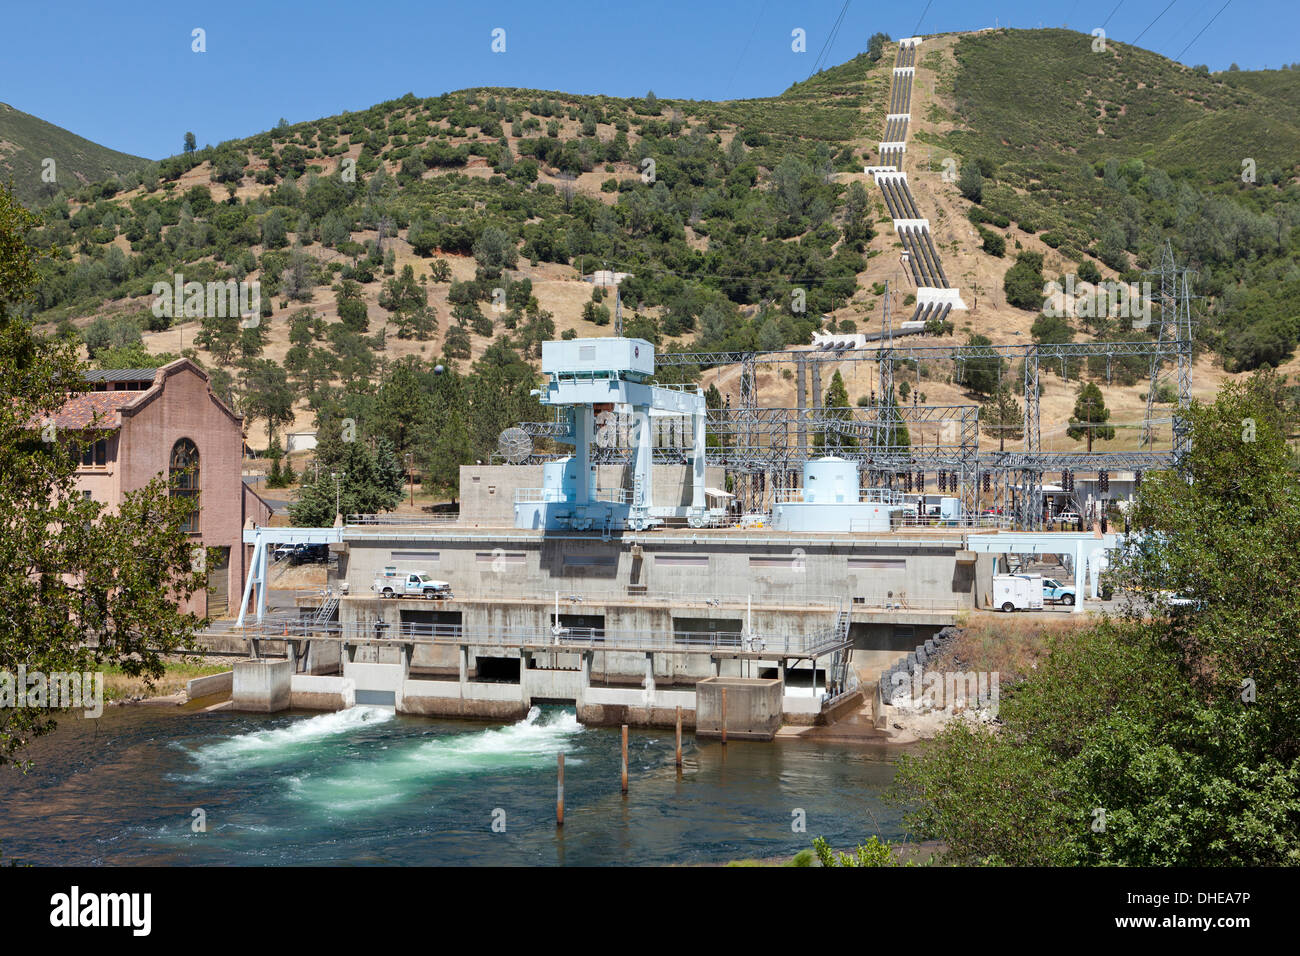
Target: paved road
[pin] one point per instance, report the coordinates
(258, 484)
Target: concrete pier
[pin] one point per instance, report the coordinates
(758, 706)
(262, 686)
(754, 707)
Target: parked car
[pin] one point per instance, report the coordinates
(1067, 517)
(309, 553)
(282, 551)
(393, 583)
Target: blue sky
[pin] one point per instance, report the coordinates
(124, 75)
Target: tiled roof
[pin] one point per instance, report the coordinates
(80, 411)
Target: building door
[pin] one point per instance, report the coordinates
(218, 581)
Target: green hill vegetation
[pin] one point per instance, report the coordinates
(1107, 154)
(26, 142)
(740, 223)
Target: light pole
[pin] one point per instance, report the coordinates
(337, 476)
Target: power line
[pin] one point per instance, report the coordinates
(1112, 13)
(1153, 22)
(917, 30)
(835, 28)
(745, 49)
(1203, 29)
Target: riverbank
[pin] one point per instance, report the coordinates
(1001, 649)
(122, 688)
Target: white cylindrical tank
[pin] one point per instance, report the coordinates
(830, 480)
(560, 479)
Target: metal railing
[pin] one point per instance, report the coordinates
(819, 641)
(770, 596)
(618, 496)
(867, 496)
(449, 517)
(909, 519)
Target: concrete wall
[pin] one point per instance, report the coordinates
(798, 570)
(261, 686)
(754, 707)
(487, 492)
(309, 692)
(211, 685)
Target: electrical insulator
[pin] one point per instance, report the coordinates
(987, 483)
(1065, 481)
(920, 481)
(907, 481)
(1103, 481)
(1137, 480)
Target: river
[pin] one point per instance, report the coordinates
(368, 787)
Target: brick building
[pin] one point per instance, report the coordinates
(168, 421)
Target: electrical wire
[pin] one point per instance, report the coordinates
(1203, 29)
(1153, 22)
(917, 30)
(835, 28)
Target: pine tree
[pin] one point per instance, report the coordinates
(1001, 416)
(1090, 416)
(835, 407)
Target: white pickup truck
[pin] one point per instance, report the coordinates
(411, 584)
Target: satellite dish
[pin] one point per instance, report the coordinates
(438, 370)
(515, 445)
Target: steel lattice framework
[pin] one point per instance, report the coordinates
(764, 449)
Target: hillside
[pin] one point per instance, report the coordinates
(500, 201)
(27, 141)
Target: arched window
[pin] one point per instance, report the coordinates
(184, 477)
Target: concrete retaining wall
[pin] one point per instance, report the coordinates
(441, 698)
(211, 685)
(904, 669)
(309, 692)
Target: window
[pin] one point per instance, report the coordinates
(414, 556)
(877, 564)
(681, 560)
(184, 477)
(95, 454)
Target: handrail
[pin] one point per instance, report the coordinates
(398, 519)
(817, 643)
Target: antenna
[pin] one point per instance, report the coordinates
(515, 445)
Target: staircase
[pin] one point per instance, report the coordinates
(325, 613)
(839, 671)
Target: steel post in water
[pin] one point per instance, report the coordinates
(724, 716)
(679, 737)
(559, 793)
(625, 758)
